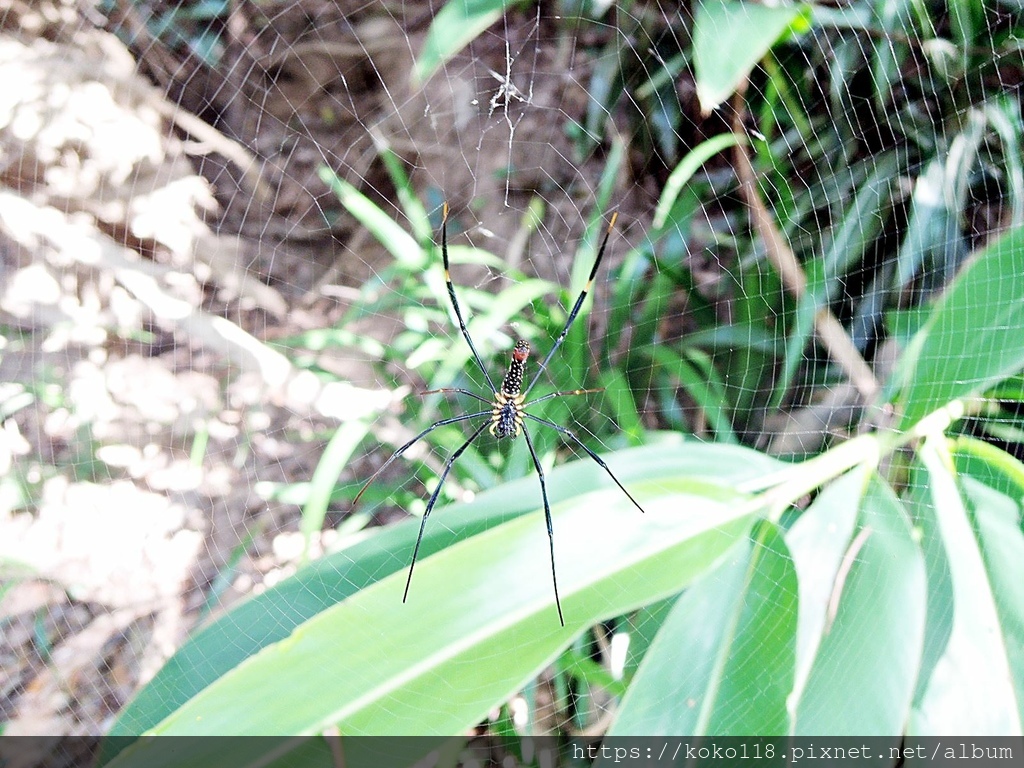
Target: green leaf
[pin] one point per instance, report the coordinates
(399, 243)
(411, 205)
(736, 629)
(603, 92)
(940, 607)
(729, 38)
(863, 674)
(888, 54)
(683, 172)
(372, 665)
(333, 460)
(619, 396)
(458, 23)
(817, 542)
(998, 531)
(509, 304)
(974, 336)
(860, 225)
(932, 228)
(967, 19)
(1006, 122)
(270, 617)
(969, 689)
(989, 465)
(694, 371)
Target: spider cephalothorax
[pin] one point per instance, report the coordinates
(507, 415)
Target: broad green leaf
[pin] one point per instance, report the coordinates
(817, 542)
(370, 665)
(645, 625)
(458, 23)
(271, 616)
(974, 336)
(863, 675)
(969, 690)
(997, 523)
(729, 38)
(736, 630)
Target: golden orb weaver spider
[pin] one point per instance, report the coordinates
(506, 414)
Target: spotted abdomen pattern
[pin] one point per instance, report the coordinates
(507, 415)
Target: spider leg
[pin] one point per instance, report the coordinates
(572, 436)
(576, 307)
(433, 499)
(455, 301)
(409, 445)
(567, 393)
(460, 392)
(547, 518)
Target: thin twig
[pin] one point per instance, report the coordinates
(841, 575)
(829, 330)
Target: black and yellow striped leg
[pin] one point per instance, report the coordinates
(412, 442)
(572, 436)
(451, 390)
(433, 500)
(547, 519)
(455, 301)
(576, 307)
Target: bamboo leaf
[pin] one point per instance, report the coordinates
(974, 336)
(739, 655)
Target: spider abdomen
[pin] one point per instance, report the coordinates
(507, 415)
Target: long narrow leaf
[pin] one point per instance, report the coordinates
(739, 653)
(486, 598)
(817, 542)
(865, 667)
(400, 243)
(271, 616)
(969, 690)
(455, 25)
(684, 171)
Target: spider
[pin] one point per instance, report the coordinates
(506, 413)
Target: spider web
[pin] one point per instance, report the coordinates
(222, 300)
